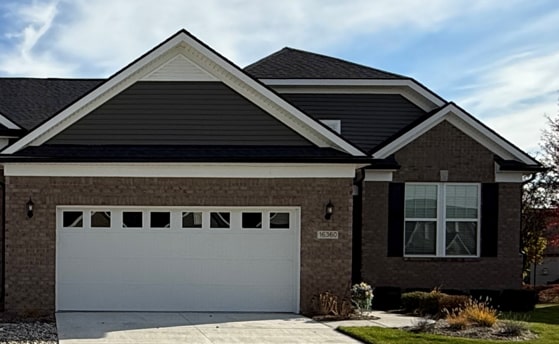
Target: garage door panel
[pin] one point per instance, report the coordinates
(251, 272)
(174, 269)
(165, 297)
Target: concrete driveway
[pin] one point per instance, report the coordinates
(153, 327)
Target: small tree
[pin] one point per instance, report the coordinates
(540, 200)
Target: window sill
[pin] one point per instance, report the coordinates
(442, 259)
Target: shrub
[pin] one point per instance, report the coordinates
(325, 303)
(422, 302)
(454, 292)
(518, 300)
(550, 295)
(480, 313)
(452, 302)
(362, 296)
(386, 298)
(489, 296)
(474, 312)
(512, 328)
(457, 321)
(411, 301)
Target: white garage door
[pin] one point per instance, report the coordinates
(177, 259)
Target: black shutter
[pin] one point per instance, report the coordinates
(489, 219)
(396, 219)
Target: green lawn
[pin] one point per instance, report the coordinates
(544, 321)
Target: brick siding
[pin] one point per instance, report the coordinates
(442, 148)
(30, 243)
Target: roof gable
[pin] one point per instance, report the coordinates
(179, 113)
(466, 123)
(289, 63)
(203, 57)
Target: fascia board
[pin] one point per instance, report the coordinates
(411, 84)
(5, 121)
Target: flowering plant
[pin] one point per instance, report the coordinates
(362, 296)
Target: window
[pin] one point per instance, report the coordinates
(100, 219)
(132, 219)
(441, 220)
(279, 220)
(72, 219)
(334, 124)
(160, 219)
(191, 219)
(252, 220)
(220, 220)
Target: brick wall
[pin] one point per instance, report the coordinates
(442, 148)
(30, 243)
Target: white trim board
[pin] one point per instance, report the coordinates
(464, 122)
(5, 121)
(408, 88)
(181, 170)
(208, 61)
(379, 175)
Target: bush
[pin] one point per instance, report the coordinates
(423, 303)
(327, 303)
(452, 302)
(549, 295)
(480, 313)
(362, 296)
(475, 312)
(518, 300)
(386, 298)
(490, 296)
(454, 292)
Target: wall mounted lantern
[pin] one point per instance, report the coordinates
(29, 206)
(329, 210)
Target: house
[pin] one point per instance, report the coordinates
(183, 182)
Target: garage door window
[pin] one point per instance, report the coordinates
(252, 220)
(220, 220)
(191, 219)
(279, 220)
(72, 219)
(160, 219)
(100, 219)
(132, 219)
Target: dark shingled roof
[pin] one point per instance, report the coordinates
(174, 153)
(289, 63)
(30, 101)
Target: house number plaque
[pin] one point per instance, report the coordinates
(327, 235)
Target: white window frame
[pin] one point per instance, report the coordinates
(441, 220)
(176, 217)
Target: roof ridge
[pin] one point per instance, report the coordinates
(257, 62)
(341, 60)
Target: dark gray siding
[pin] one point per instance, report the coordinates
(367, 119)
(179, 113)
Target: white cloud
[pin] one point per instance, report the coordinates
(104, 35)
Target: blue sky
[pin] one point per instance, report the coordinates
(497, 59)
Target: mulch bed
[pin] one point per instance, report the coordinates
(499, 331)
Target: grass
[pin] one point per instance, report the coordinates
(544, 321)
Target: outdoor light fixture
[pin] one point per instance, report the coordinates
(545, 271)
(329, 210)
(30, 205)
